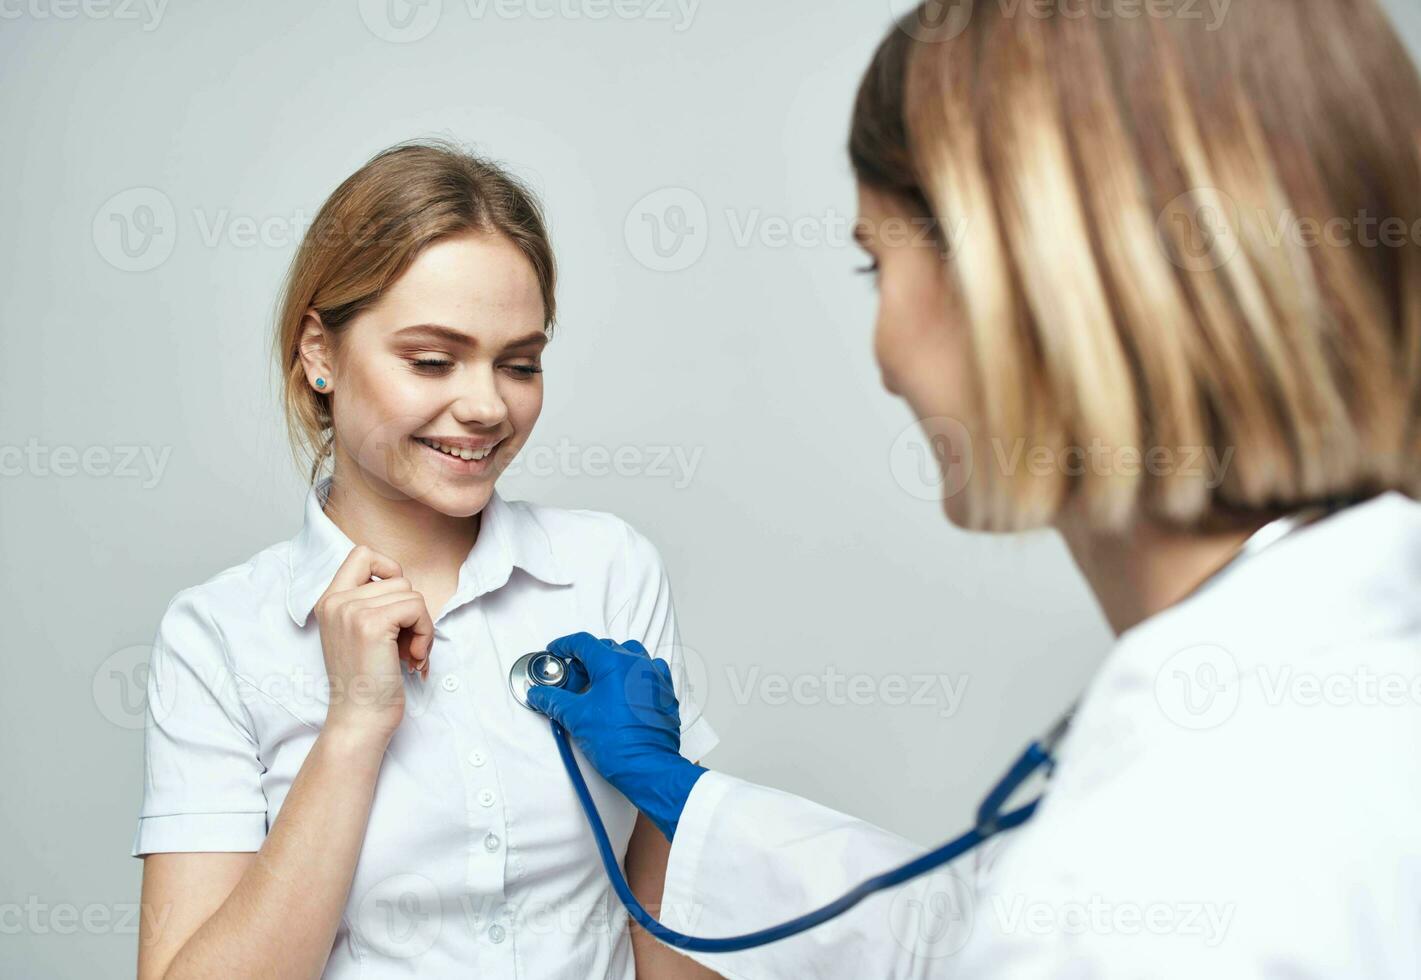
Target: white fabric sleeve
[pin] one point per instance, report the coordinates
(649, 617)
(747, 857)
(202, 788)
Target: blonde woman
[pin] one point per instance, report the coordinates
(337, 781)
(1157, 242)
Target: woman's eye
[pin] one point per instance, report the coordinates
(525, 370)
(431, 364)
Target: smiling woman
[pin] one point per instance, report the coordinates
(428, 407)
(398, 233)
(417, 816)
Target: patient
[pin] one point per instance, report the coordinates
(337, 780)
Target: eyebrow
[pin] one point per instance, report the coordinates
(458, 338)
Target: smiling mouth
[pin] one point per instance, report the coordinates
(457, 452)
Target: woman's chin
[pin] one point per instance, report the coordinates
(459, 498)
(954, 508)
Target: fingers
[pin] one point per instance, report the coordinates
(577, 677)
(551, 701)
(406, 618)
(385, 586)
(628, 646)
(593, 653)
(359, 566)
(354, 583)
(416, 636)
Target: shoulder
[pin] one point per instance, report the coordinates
(1224, 814)
(591, 540)
(240, 590)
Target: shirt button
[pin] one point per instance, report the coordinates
(476, 758)
(486, 798)
(491, 842)
(495, 933)
(450, 682)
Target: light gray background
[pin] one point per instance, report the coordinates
(796, 542)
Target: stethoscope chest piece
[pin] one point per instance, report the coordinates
(537, 669)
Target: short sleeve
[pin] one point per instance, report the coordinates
(648, 615)
(202, 788)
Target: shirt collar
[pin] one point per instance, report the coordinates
(509, 537)
(1355, 573)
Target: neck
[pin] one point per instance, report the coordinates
(1149, 568)
(426, 543)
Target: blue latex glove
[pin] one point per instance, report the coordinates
(627, 724)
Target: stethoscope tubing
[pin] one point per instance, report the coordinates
(989, 822)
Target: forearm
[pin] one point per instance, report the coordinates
(657, 961)
(281, 918)
(748, 857)
(646, 856)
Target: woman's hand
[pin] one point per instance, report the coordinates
(369, 631)
(627, 723)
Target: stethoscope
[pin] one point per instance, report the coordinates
(543, 668)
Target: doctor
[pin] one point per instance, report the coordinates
(1169, 246)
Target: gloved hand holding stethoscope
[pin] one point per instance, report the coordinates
(626, 722)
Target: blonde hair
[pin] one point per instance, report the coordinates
(367, 234)
(1077, 155)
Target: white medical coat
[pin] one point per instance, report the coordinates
(1239, 796)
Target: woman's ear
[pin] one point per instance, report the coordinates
(315, 352)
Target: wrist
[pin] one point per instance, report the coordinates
(663, 795)
(350, 739)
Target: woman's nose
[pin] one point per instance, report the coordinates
(479, 403)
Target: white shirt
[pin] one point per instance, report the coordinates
(1239, 796)
(477, 860)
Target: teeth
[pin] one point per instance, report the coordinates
(456, 451)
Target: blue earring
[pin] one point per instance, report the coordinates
(320, 382)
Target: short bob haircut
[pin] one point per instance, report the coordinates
(1176, 234)
(368, 232)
